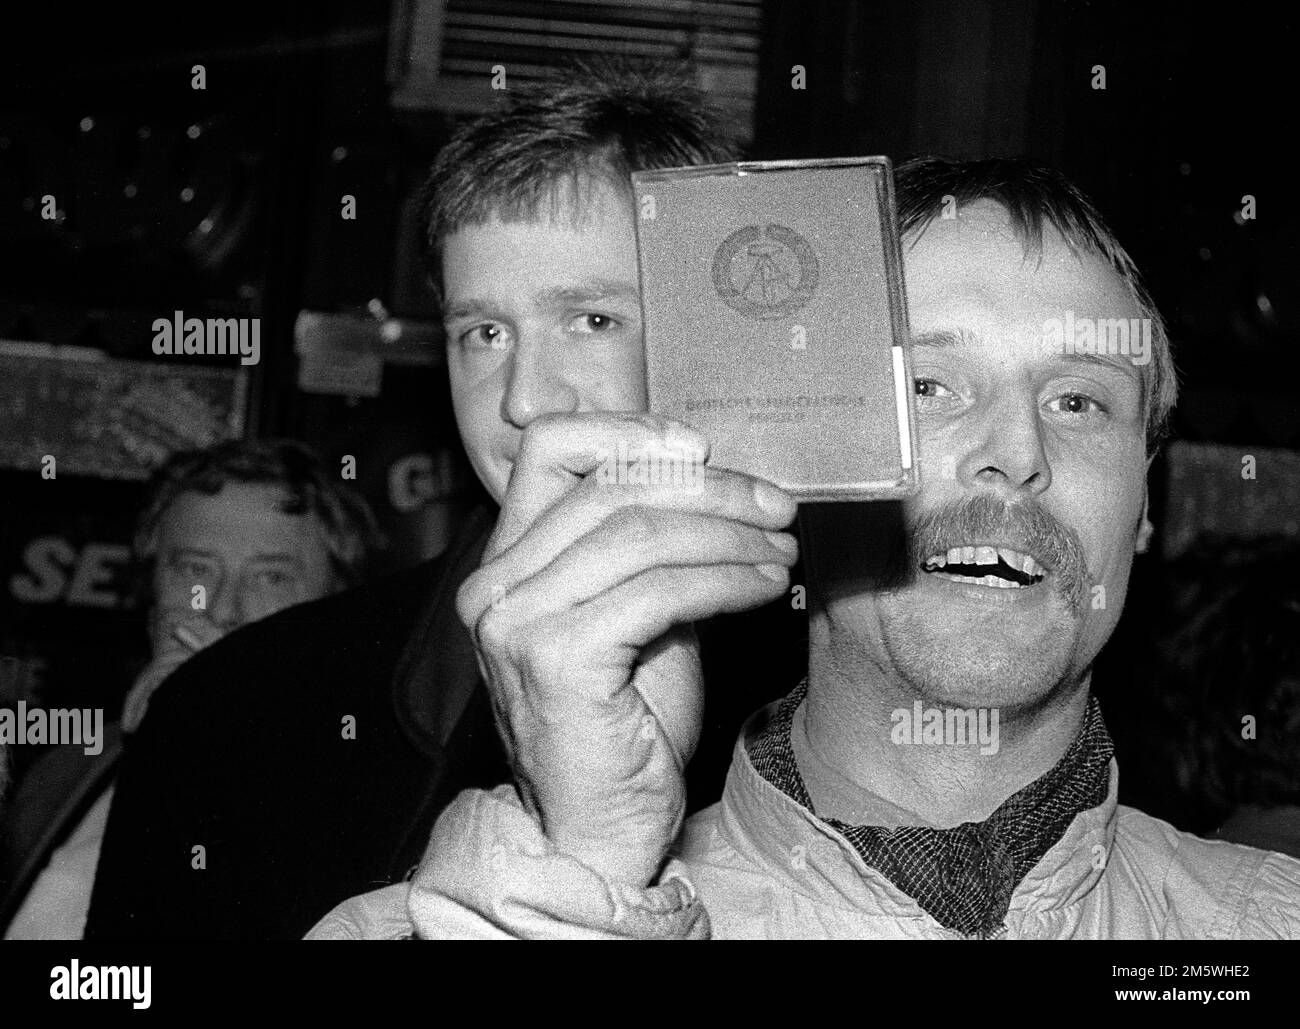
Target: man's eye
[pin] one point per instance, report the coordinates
(594, 323)
(488, 335)
(931, 389)
(273, 578)
(190, 568)
(1077, 404)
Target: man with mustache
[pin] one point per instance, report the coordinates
(989, 592)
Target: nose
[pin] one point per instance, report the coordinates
(1009, 456)
(227, 607)
(537, 384)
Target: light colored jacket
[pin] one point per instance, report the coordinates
(759, 865)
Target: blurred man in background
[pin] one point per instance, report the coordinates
(229, 535)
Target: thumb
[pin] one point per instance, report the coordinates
(197, 633)
(670, 683)
(137, 699)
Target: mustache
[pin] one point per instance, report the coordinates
(1025, 526)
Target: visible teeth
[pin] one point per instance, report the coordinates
(985, 580)
(986, 555)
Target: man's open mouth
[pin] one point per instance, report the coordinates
(1000, 567)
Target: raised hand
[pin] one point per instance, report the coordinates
(581, 613)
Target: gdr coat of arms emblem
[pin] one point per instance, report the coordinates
(765, 272)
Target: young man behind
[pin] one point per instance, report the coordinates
(245, 753)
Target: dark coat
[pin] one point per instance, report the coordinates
(246, 753)
(243, 753)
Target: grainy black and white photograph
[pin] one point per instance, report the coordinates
(649, 469)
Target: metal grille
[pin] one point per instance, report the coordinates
(444, 51)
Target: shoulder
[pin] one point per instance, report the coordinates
(699, 835)
(378, 915)
(1211, 889)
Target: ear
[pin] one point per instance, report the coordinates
(1145, 528)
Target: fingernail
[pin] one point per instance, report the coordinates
(783, 542)
(186, 635)
(683, 439)
(776, 573)
(774, 501)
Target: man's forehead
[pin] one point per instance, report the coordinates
(981, 253)
(544, 260)
(982, 232)
(242, 521)
(564, 203)
(233, 511)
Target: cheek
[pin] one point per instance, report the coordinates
(478, 416)
(943, 445)
(257, 606)
(261, 602)
(477, 380)
(1103, 505)
(616, 383)
(940, 456)
(626, 394)
(318, 582)
(170, 594)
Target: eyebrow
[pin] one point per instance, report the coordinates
(285, 559)
(940, 338)
(175, 552)
(212, 555)
(1106, 360)
(586, 292)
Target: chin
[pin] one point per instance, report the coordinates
(971, 665)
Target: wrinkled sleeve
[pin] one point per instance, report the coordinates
(490, 873)
(1272, 911)
(379, 915)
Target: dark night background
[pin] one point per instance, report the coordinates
(227, 200)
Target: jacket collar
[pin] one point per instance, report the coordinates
(801, 853)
